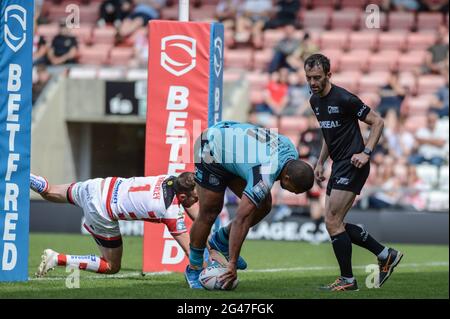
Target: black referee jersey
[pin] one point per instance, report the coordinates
(338, 113)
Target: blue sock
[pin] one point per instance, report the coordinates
(196, 257)
(223, 235)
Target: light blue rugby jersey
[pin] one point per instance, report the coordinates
(256, 154)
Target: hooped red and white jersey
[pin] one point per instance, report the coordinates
(150, 198)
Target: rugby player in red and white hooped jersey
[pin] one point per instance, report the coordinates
(105, 201)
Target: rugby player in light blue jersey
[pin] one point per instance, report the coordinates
(247, 159)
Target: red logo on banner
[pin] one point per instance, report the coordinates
(177, 112)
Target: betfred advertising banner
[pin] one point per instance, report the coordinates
(16, 33)
(184, 97)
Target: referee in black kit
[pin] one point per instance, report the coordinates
(338, 112)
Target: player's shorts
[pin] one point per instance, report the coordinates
(347, 177)
(210, 175)
(88, 195)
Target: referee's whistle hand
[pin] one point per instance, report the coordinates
(359, 160)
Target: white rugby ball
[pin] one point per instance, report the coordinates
(209, 277)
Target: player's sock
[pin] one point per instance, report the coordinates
(196, 257)
(342, 246)
(223, 235)
(88, 262)
(38, 183)
(349, 280)
(384, 254)
(361, 237)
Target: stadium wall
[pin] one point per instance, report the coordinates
(387, 225)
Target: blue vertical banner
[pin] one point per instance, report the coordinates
(16, 40)
(215, 73)
(215, 100)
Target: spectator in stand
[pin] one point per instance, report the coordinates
(306, 48)
(386, 193)
(114, 11)
(433, 6)
(286, 12)
(436, 61)
(41, 76)
(439, 102)
(141, 14)
(64, 47)
(285, 47)
(414, 196)
(140, 58)
(226, 12)
(40, 48)
(298, 95)
(405, 5)
(400, 142)
(431, 143)
(392, 96)
(252, 16)
(275, 95)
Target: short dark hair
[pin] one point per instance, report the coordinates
(301, 174)
(185, 183)
(318, 60)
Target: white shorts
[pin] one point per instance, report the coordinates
(88, 195)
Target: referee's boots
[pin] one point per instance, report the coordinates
(341, 284)
(387, 265)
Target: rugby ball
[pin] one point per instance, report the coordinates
(209, 277)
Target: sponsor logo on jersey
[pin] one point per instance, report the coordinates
(329, 124)
(181, 225)
(115, 194)
(316, 110)
(260, 190)
(333, 109)
(213, 180)
(157, 190)
(360, 112)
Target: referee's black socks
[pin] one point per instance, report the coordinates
(342, 246)
(359, 236)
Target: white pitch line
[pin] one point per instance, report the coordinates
(134, 274)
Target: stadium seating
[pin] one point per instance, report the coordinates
(315, 19)
(385, 60)
(354, 60)
(392, 41)
(362, 56)
(429, 83)
(334, 40)
(347, 19)
(429, 21)
(363, 40)
(404, 21)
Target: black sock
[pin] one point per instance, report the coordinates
(342, 246)
(361, 237)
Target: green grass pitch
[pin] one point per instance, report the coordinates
(291, 270)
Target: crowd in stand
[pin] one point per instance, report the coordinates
(403, 154)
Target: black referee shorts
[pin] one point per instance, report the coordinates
(347, 177)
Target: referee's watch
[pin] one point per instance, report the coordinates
(367, 151)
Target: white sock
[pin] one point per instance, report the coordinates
(38, 183)
(384, 253)
(88, 262)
